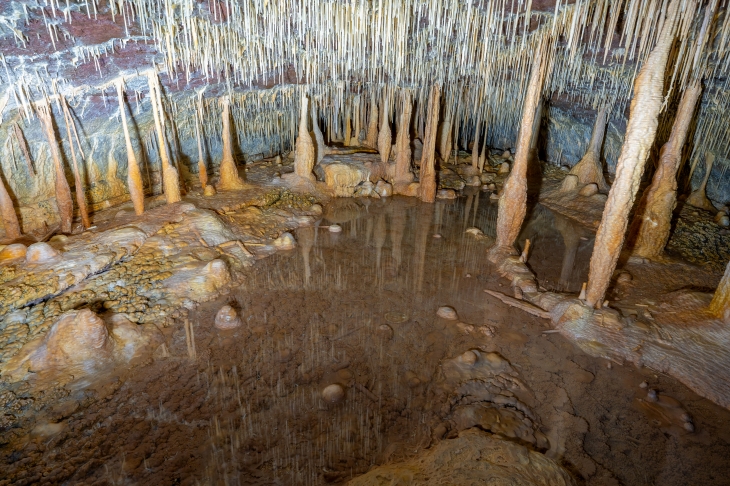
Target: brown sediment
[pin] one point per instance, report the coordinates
(652, 224)
(640, 133)
(513, 203)
(63, 191)
(427, 179)
(134, 176)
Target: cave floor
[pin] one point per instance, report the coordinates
(358, 308)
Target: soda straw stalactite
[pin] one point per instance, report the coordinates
(640, 133)
(652, 224)
(63, 191)
(134, 175)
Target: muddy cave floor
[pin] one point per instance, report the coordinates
(358, 308)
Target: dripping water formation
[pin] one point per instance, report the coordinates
(364, 242)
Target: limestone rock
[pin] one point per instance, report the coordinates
(504, 168)
(227, 318)
(589, 190)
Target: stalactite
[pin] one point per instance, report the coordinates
(652, 224)
(78, 186)
(63, 191)
(640, 132)
(170, 179)
(427, 179)
(403, 174)
(513, 203)
(134, 175)
(304, 152)
(320, 148)
(589, 170)
(698, 198)
(720, 305)
(229, 177)
(10, 219)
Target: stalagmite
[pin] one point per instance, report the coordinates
(385, 137)
(63, 191)
(10, 219)
(445, 135)
(170, 179)
(403, 174)
(371, 140)
(202, 170)
(720, 305)
(427, 179)
(134, 176)
(229, 178)
(652, 224)
(513, 203)
(304, 151)
(698, 198)
(589, 170)
(78, 186)
(640, 133)
(320, 148)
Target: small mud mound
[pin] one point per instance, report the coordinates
(474, 457)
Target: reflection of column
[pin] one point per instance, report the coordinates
(467, 209)
(397, 228)
(438, 217)
(476, 209)
(425, 213)
(368, 230)
(571, 240)
(306, 241)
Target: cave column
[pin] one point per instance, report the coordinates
(170, 179)
(10, 219)
(589, 170)
(640, 133)
(513, 203)
(229, 178)
(720, 305)
(427, 189)
(403, 142)
(654, 217)
(304, 150)
(134, 176)
(63, 191)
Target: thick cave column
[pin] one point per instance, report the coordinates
(10, 219)
(589, 170)
(403, 155)
(134, 176)
(371, 140)
(63, 191)
(170, 178)
(651, 227)
(640, 133)
(513, 203)
(427, 179)
(304, 150)
(229, 180)
(720, 305)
